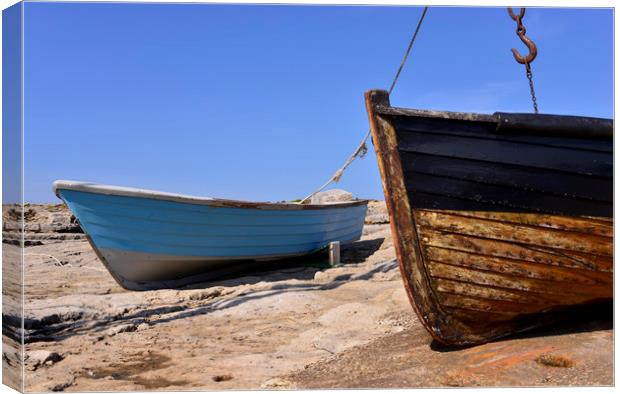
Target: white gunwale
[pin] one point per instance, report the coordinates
(96, 188)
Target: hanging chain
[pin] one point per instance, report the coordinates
(528, 73)
(525, 60)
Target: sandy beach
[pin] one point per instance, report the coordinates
(301, 325)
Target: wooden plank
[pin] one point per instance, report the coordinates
(426, 201)
(510, 250)
(510, 232)
(559, 126)
(486, 130)
(534, 157)
(544, 181)
(475, 290)
(488, 305)
(481, 321)
(518, 269)
(574, 293)
(500, 198)
(565, 223)
(467, 117)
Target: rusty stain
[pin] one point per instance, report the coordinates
(552, 360)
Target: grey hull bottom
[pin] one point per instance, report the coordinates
(145, 271)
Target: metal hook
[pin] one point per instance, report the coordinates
(530, 45)
(521, 33)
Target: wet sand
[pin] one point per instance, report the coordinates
(303, 326)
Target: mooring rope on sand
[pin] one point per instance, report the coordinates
(362, 149)
(61, 264)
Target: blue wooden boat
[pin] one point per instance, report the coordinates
(149, 239)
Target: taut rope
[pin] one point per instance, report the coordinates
(363, 148)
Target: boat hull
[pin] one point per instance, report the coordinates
(149, 240)
(495, 233)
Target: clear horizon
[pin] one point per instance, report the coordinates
(265, 102)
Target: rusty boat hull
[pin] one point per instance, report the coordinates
(502, 223)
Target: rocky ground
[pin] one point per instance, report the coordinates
(303, 325)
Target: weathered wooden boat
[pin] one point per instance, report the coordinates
(501, 222)
(149, 239)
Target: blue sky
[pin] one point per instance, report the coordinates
(266, 102)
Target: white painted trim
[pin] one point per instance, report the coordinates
(89, 187)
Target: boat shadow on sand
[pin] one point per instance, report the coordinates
(292, 268)
(277, 276)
